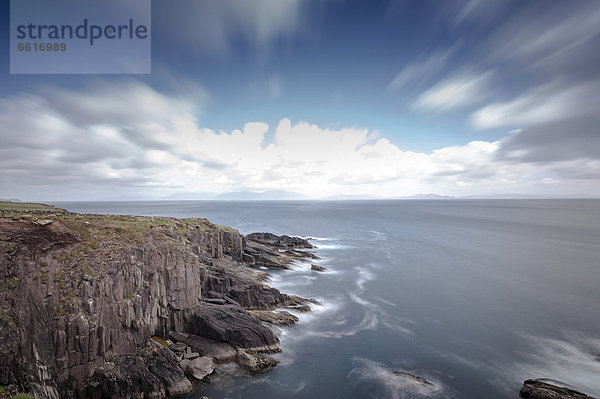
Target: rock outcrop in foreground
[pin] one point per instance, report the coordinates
(133, 307)
(540, 389)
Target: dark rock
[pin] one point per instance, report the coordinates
(258, 296)
(163, 364)
(219, 351)
(300, 308)
(539, 389)
(191, 355)
(279, 241)
(272, 251)
(232, 325)
(177, 347)
(254, 363)
(154, 374)
(198, 367)
(413, 377)
(317, 268)
(281, 318)
(215, 301)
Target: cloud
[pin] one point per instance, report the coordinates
(547, 103)
(125, 139)
(547, 81)
(211, 26)
(550, 37)
(416, 73)
(455, 92)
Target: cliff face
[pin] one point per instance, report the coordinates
(82, 296)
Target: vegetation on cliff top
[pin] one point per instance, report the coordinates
(91, 242)
(27, 206)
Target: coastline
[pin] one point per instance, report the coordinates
(113, 305)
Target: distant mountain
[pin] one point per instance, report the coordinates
(531, 196)
(10, 200)
(192, 196)
(344, 197)
(274, 195)
(429, 196)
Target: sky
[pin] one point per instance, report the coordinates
(320, 97)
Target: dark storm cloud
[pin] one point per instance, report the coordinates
(573, 138)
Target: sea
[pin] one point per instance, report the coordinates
(475, 296)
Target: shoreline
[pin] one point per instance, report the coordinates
(134, 305)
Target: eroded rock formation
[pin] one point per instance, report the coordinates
(89, 304)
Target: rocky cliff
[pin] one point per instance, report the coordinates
(133, 307)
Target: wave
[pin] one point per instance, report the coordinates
(364, 276)
(378, 235)
(318, 238)
(369, 322)
(325, 247)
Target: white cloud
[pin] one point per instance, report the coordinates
(456, 92)
(423, 70)
(102, 144)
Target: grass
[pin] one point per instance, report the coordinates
(11, 284)
(161, 340)
(227, 228)
(7, 391)
(28, 206)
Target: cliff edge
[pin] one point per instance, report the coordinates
(134, 307)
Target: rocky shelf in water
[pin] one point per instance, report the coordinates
(123, 306)
(549, 389)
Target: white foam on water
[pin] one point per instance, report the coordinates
(380, 382)
(390, 321)
(318, 238)
(385, 301)
(360, 301)
(325, 247)
(369, 322)
(364, 276)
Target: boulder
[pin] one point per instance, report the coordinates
(198, 367)
(317, 268)
(540, 389)
(254, 363)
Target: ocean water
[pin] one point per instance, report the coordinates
(474, 295)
